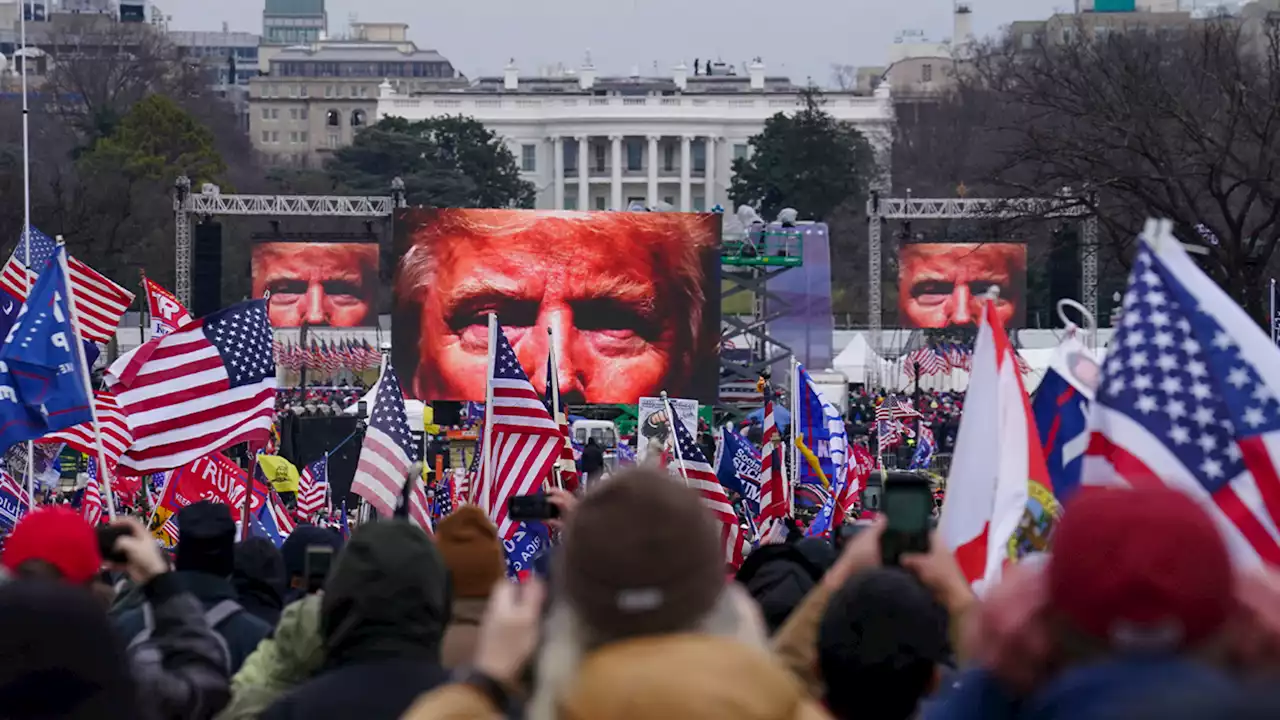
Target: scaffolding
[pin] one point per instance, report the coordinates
(880, 210)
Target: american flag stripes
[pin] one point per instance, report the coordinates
(775, 505)
(697, 472)
(204, 388)
(1188, 399)
(388, 451)
(566, 465)
(116, 437)
(444, 497)
(524, 441)
(313, 488)
(99, 302)
(91, 506)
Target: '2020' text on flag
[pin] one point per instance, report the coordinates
(997, 455)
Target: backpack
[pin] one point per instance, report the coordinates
(214, 616)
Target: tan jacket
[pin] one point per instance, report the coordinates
(672, 677)
(459, 645)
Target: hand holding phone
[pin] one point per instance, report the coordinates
(907, 499)
(316, 565)
(534, 508)
(107, 536)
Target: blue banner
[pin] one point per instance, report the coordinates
(813, 431)
(1062, 419)
(737, 465)
(523, 549)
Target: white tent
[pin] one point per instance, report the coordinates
(857, 359)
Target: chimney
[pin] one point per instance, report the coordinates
(962, 29)
(511, 76)
(587, 73)
(681, 75)
(756, 71)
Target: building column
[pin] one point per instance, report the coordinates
(686, 166)
(615, 187)
(584, 173)
(557, 162)
(653, 171)
(709, 178)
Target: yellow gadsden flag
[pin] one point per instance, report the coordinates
(282, 474)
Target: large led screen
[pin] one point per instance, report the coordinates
(631, 299)
(332, 284)
(942, 284)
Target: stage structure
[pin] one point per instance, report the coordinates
(210, 202)
(747, 264)
(880, 209)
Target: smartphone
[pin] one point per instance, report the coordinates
(532, 507)
(316, 565)
(907, 500)
(107, 536)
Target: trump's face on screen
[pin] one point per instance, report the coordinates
(319, 284)
(621, 295)
(944, 284)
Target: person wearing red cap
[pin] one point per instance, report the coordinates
(53, 543)
(1138, 597)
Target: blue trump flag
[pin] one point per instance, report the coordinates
(42, 363)
(737, 465)
(525, 546)
(1061, 409)
(812, 430)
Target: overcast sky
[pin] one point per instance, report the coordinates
(798, 38)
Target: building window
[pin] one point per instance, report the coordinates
(600, 202)
(529, 158)
(305, 114)
(293, 137)
(357, 118)
(293, 91)
(635, 153)
(275, 113)
(328, 91)
(293, 114)
(302, 91)
(333, 118)
(333, 140)
(669, 158)
(570, 148)
(669, 199)
(599, 158)
(302, 136)
(275, 136)
(364, 91)
(266, 113)
(739, 151)
(570, 202)
(699, 152)
(699, 203)
(355, 91)
(1028, 41)
(266, 136)
(926, 72)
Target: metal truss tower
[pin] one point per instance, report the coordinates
(210, 202)
(882, 209)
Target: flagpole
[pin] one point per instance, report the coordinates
(1272, 319)
(672, 419)
(104, 471)
(486, 463)
(328, 494)
(795, 426)
(554, 382)
(26, 217)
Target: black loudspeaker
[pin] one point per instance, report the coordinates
(206, 269)
(447, 412)
(1065, 276)
(306, 439)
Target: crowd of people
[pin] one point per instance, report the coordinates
(629, 614)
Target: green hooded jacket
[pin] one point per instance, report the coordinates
(286, 659)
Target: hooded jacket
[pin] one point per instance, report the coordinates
(382, 618)
(287, 659)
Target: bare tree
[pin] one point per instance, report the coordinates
(1183, 124)
(844, 77)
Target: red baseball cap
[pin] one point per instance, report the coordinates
(1144, 570)
(58, 536)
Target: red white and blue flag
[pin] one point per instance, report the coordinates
(525, 440)
(388, 454)
(91, 507)
(692, 465)
(775, 500)
(313, 488)
(1188, 399)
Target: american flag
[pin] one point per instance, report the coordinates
(1188, 400)
(471, 480)
(419, 509)
(444, 499)
(567, 465)
(895, 408)
(930, 361)
(116, 437)
(958, 356)
(100, 303)
(697, 472)
(91, 507)
(775, 506)
(313, 487)
(388, 453)
(525, 441)
(199, 390)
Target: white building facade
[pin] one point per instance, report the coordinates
(590, 143)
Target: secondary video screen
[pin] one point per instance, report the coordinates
(632, 301)
(326, 284)
(943, 284)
